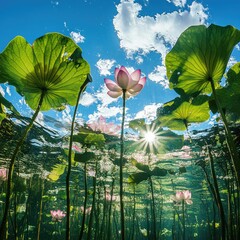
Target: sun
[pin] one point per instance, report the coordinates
(149, 136)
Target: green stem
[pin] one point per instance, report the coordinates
(230, 142)
(82, 88)
(11, 168)
(153, 210)
(218, 197)
(183, 218)
(85, 202)
(121, 167)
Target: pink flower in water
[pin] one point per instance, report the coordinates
(102, 126)
(87, 211)
(3, 174)
(110, 197)
(184, 195)
(131, 83)
(57, 216)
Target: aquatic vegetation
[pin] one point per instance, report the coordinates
(184, 195)
(57, 215)
(125, 85)
(140, 180)
(47, 75)
(102, 126)
(3, 174)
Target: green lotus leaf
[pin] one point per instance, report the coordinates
(56, 172)
(178, 115)
(160, 172)
(138, 177)
(140, 166)
(2, 116)
(200, 56)
(90, 139)
(84, 157)
(52, 65)
(229, 96)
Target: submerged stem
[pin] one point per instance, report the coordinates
(230, 142)
(82, 88)
(11, 168)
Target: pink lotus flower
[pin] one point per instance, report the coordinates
(57, 216)
(102, 126)
(184, 195)
(131, 83)
(87, 211)
(110, 197)
(3, 174)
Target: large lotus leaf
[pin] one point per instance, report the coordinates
(138, 177)
(90, 139)
(169, 141)
(56, 172)
(140, 166)
(84, 157)
(52, 65)
(179, 115)
(160, 172)
(229, 96)
(200, 54)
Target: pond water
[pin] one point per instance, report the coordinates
(181, 203)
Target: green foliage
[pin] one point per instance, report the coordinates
(89, 139)
(178, 113)
(201, 53)
(52, 65)
(84, 157)
(57, 171)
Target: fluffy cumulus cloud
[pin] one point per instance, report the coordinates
(178, 3)
(2, 92)
(87, 99)
(105, 111)
(149, 112)
(77, 37)
(158, 75)
(143, 34)
(104, 66)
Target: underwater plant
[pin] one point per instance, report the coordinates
(3, 175)
(125, 85)
(181, 198)
(57, 215)
(196, 65)
(49, 74)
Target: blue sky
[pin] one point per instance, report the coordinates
(135, 33)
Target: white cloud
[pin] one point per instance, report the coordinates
(2, 91)
(158, 75)
(77, 37)
(105, 111)
(143, 34)
(87, 99)
(103, 97)
(104, 66)
(149, 112)
(178, 3)
(8, 91)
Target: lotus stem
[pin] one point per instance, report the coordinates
(85, 202)
(11, 168)
(218, 197)
(230, 142)
(82, 88)
(153, 210)
(121, 168)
